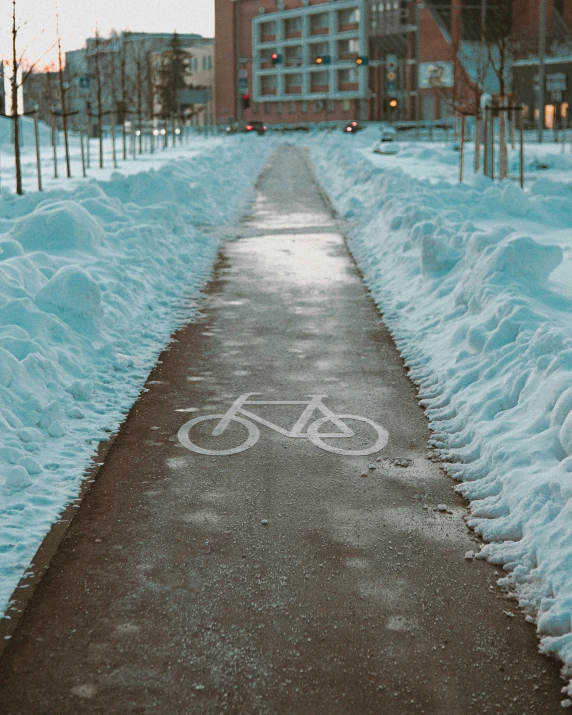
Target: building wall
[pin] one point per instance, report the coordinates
(136, 47)
(225, 66)
(439, 43)
(293, 109)
(199, 74)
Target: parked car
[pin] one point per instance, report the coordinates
(387, 143)
(257, 127)
(353, 127)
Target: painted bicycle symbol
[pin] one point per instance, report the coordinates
(238, 414)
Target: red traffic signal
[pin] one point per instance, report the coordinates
(245, 101)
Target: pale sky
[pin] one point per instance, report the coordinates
(78, 20)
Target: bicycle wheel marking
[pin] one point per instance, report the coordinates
(307, 426)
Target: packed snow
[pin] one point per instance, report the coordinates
(94, 277)
(475, 282)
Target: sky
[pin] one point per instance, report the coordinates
(79, 18)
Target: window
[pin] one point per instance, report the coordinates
(320, 77)
(204, 62)
(346, 105)
(267, 108)
(318, 49)
(292, 26)
(279, 108)
(331, 105)
(350, 16)
(348, 47)
(293, 54)
(267, 31)
(348, 76)
(319, 21)
(319, 81)
(292, 107)
(293, 80)
(268, 84)
(304, 107)
(210, 65)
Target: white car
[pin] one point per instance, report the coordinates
(387, 143)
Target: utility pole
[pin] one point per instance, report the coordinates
(541, 73)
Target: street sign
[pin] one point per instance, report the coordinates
(84, 83)
(242, 74)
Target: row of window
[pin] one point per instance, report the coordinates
(292, 54)
(292, 26)
(328, 106)
(207, 63)
(193, 63)
(320, 79)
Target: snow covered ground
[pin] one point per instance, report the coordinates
(94, 277)
(475, 282)
(192, 145)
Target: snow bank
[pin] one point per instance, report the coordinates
(487, 336)
(92, 283)
(27, 132)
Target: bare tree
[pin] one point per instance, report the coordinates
(63, 89)
(475, 54)
(504, 45)
(140, 55)
(14, 87)
(98, 93)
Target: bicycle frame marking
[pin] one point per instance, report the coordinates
(237, 413)
(314, 404)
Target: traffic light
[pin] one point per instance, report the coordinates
(323, 60)
(275, 58)
(245, 100)
(362, 60)
(391, 65)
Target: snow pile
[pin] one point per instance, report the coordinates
(481, 313)
(27, 132)
(92, 283)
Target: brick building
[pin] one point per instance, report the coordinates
(296, 61)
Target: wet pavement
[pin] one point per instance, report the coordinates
(288, 555)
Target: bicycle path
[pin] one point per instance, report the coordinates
(283, 578)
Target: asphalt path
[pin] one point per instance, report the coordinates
(298, 562)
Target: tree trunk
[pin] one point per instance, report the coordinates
(15, 116)
(477, 141)
(503, 158)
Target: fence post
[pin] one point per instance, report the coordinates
(492, 143)
(55, 151)
(37, 140)
(112, 130)
(521, 127)
(83, 171)
(486, 143)
(461, 148)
